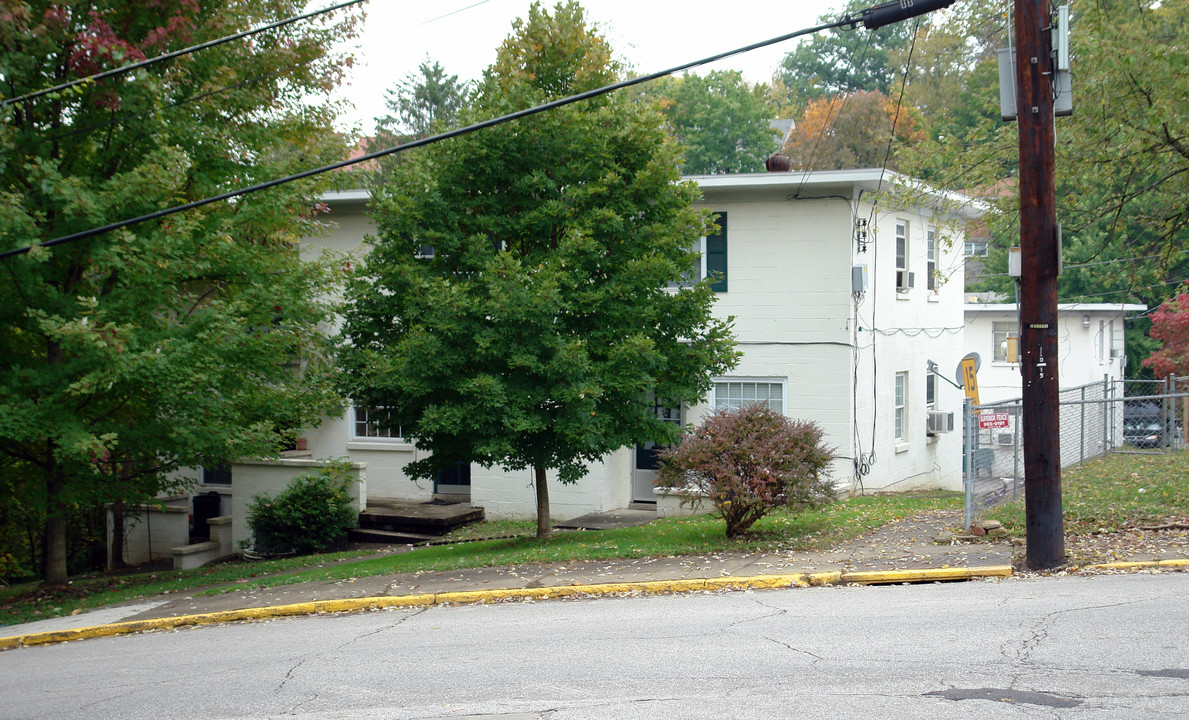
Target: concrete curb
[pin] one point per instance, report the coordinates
(652, 587)
(1183, 562)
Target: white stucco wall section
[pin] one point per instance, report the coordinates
(901, 332)
(791, 248)
(1084, 345)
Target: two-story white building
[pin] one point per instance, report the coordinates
(1089, 345)
(840, 302)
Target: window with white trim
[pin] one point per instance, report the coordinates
(698, 271)
(977, 248)
(733, 394)
(931, 264)
(903, 277)
(1005, 340)
(371, 423)
(901, 404)
(930, 391)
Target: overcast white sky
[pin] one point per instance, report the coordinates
(649, 34)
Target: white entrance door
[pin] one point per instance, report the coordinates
(646, 462)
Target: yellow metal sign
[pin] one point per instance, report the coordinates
(969, 367)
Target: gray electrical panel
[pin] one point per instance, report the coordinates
(858, 279)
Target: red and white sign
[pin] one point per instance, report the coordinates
(991, 421)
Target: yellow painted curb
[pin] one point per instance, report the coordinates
(880, 577)
(652, 587)
(1139, 565)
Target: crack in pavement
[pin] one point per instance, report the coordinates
(357, 638)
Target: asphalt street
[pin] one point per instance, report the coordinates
(1110, 646)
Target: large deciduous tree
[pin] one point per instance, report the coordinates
(1122, 159)
(863, 129)
(520, 306)
(839, 61)
(187, 341)
(721, 121)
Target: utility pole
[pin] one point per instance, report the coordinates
(1038, 288)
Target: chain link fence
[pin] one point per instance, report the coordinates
(1126, 416)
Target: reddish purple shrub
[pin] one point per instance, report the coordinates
(749, 461)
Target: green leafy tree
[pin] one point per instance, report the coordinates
(721, 122)
(840, 60)
(516, 307)
(189, 341)
(1122, 165)
(953, 66)
(424, 102)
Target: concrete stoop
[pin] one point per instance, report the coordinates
(403, 521)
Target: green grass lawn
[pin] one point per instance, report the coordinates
(485, 545)
(1102, 495)
(1114, 492)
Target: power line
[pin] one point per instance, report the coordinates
(423, 141)
(452, 12)
(177, 53)
(872, 18)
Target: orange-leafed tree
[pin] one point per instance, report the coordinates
(852, 131)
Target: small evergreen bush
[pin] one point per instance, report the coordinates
(313, 513)
(749, 461)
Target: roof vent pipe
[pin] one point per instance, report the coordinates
(778, 163)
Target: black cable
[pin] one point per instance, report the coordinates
(177, 53)
(423, 141)
(826, 125)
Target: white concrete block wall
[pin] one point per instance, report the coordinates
(1084, 343)
(789, 288)
(151, 529)
(511, 495)
(253, 478)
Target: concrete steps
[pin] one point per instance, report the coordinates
(387, 536)
(403, 521)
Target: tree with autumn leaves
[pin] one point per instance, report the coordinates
(1170, 327)
(192, 340)
(860, 130)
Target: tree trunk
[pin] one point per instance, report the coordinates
(544, 526)
(55, 529)
(55, 508)
(116, 560)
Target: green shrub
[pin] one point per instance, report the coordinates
(313, 513)
(748, 461)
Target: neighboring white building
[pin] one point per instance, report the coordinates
(840, 304)
(1089, 345)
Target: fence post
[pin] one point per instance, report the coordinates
(1015, 452)
(1108, 414)
(1082, 430)
(1170, 416)
(968, 476)
(1166, 415)
(1184, 415)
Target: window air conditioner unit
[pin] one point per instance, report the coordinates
(940, 422)
(904, 280)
